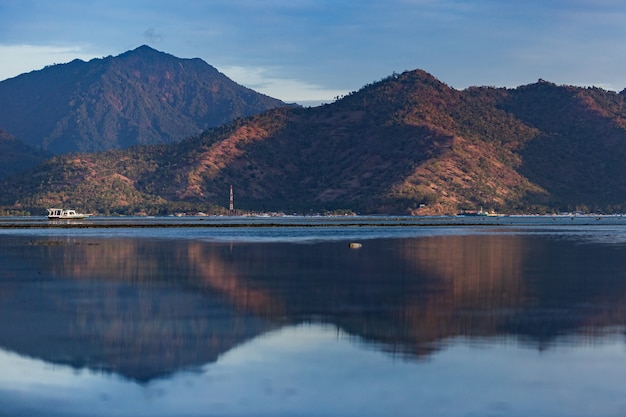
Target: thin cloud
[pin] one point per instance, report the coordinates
(152, 36)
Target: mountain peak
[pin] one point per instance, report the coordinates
(145, 48)
(146, 53)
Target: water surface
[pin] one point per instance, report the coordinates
(287, 321)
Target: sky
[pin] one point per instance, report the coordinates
(312, 51)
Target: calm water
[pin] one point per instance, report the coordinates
(516, 320)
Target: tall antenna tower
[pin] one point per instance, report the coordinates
(231, 206)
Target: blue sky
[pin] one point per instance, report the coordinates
(313, 50)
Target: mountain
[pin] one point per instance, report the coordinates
(16, 157)
(408, 144)
(139, 97)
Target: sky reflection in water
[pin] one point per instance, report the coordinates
(314, 370)
(444, 322)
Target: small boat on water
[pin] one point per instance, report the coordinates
(65, 214)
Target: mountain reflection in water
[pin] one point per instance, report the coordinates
(146, 308)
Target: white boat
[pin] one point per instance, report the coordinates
(65, 214)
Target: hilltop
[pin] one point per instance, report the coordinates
(407, 144)
(142, 96)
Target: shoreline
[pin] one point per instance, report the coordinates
(309, 222)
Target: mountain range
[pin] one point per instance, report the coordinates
(407, 144)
